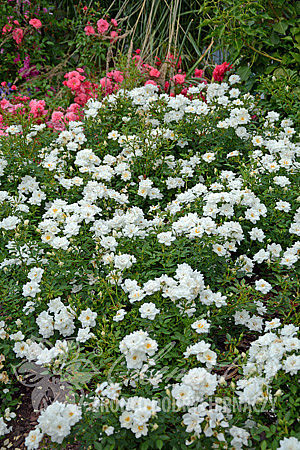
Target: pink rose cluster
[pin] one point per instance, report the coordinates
(60, 117)
(102, 26)
(16, 31)
(20, 105)
(84, 89)
(35, 111)
(37, 108)
(178, 81)
(220, 70)
(111, 82)
(80, 86)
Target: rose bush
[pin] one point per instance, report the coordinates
(149, 258)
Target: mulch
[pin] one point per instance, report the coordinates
(24, 422)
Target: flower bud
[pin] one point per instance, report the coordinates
(222, 381)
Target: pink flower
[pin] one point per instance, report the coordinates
(113, 35)
(71, 116)
(89, 30)
(151, 82)
(71, 74)
(37, 108)
(18, 35)
(154, 73)
(73, 107)
(158, 61)
(136, 58)
(57, 116)
(73, 83)
(172, 59)
(81, 99)
(179, 78)
(219, 71)
(198, 73)
(7, 28)
(5, 104)
(114, 22)
(117, 75)
(102, 26)
(36, 23)
(105, 83)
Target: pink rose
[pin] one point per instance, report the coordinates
(4, 103)
(7, 28)
(198, 73)
(89, 30)
(73, 107)
(36, 23)
(219, 71)
(71, 116)
(57, 116)
(114, 22)
(179, 78)
(117, 75)
(18, 35)
(154, 73)
(113, 35)
(37, 108)
(73, 83)
(81, 99)
(102, 26)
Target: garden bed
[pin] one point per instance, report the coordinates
(149, 271)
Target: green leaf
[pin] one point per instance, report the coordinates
(263, 445)
(159, 444)
(270, 69)
(296, 56)
(280, 27)
(244, 72)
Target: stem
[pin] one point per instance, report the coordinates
(263, 53)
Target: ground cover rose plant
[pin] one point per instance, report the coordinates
(149, 260)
